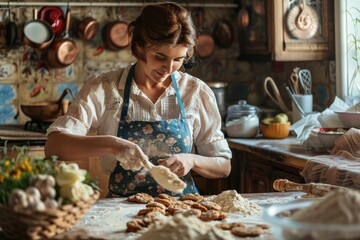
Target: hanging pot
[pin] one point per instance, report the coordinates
(116, 36)
(47, 110)
(223, 34)
(54, 16)
(37, 33)
(63, 51)
(205, 42)
(10, 32)
(88, 27)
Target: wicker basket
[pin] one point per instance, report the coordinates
(42, 225)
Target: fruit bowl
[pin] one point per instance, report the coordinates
(275, 130)
(328, 136)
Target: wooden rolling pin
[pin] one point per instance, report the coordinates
(318, 189)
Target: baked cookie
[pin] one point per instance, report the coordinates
(192, 212)
(191, 196)
(247, 231)
(168, 197)
(263, 225)
(150, 209)
(155, 204)
(140, 198)
(211, 206)
(163, 201)
(199, 206)
(210, 215)
(229, 226)
(135, 225)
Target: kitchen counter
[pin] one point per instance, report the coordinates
(108, 217)
(17, 135)
(287, 151)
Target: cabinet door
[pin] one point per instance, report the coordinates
(257, 177)
(303, 38)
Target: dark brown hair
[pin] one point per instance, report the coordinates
(162, 23)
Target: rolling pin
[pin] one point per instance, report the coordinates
(318, 189)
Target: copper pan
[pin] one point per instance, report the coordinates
(37, 33)
(116, 35)
(88, 27)
(47, 110)
(205, 42)
(63, 51)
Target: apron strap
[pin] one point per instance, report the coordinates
(177, 93)
(129, 78)
(125, 106)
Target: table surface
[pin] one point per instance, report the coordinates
(108, 217)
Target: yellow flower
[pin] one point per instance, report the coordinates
(16, 173)
(7, 163)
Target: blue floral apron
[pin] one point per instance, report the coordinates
(158, 140)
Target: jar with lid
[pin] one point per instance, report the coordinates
(242, 120)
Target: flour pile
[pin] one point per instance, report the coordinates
(232, 202)
(180, 227)
(337, 211)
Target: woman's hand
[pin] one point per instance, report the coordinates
(180, 164)
(129, 154)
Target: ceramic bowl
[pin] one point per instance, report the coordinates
(328, 136)
(275, 130)
(283, 227)
(350, 119)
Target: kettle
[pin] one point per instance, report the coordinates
(242, 120)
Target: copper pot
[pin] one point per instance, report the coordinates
(44, 34)
(47, 110)
(115, 35)
(87, 28)
(205, 42)
(63, 52)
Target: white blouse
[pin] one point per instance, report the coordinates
(97, 108)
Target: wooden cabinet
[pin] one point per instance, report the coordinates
(276, 31)
(254, 173)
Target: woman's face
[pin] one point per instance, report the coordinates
(162, 60)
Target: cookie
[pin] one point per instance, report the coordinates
(155, 204)
(140, 198)
(229, 226)
(192, 212)
(210, 215)
(165, 202)
(199, 206)
(263, 225)
(168, 197)
(188, 202)
(135, 225)
(222, 215)
(151, 209)
(177, 206)
(154, 215)
(191, 196)
(247, 231)
(211, 206)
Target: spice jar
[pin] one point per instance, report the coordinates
(242, 120)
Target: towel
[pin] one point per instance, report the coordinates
(341, 167)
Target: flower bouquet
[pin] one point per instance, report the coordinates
(42, 197)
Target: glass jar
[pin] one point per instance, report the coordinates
(242, 120)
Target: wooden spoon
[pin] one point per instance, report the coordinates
(164, 177)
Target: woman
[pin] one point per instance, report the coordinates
(148, 109)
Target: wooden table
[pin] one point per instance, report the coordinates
(108, 217)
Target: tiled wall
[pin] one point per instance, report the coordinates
(24, 70)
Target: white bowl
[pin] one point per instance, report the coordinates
(244, 127)
(328, 136)
(283, 227)
(350, 119)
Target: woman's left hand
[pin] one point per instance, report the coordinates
(180, 164)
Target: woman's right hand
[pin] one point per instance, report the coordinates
(129, 154)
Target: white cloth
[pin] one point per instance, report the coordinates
(97, 109)
(341, 167)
